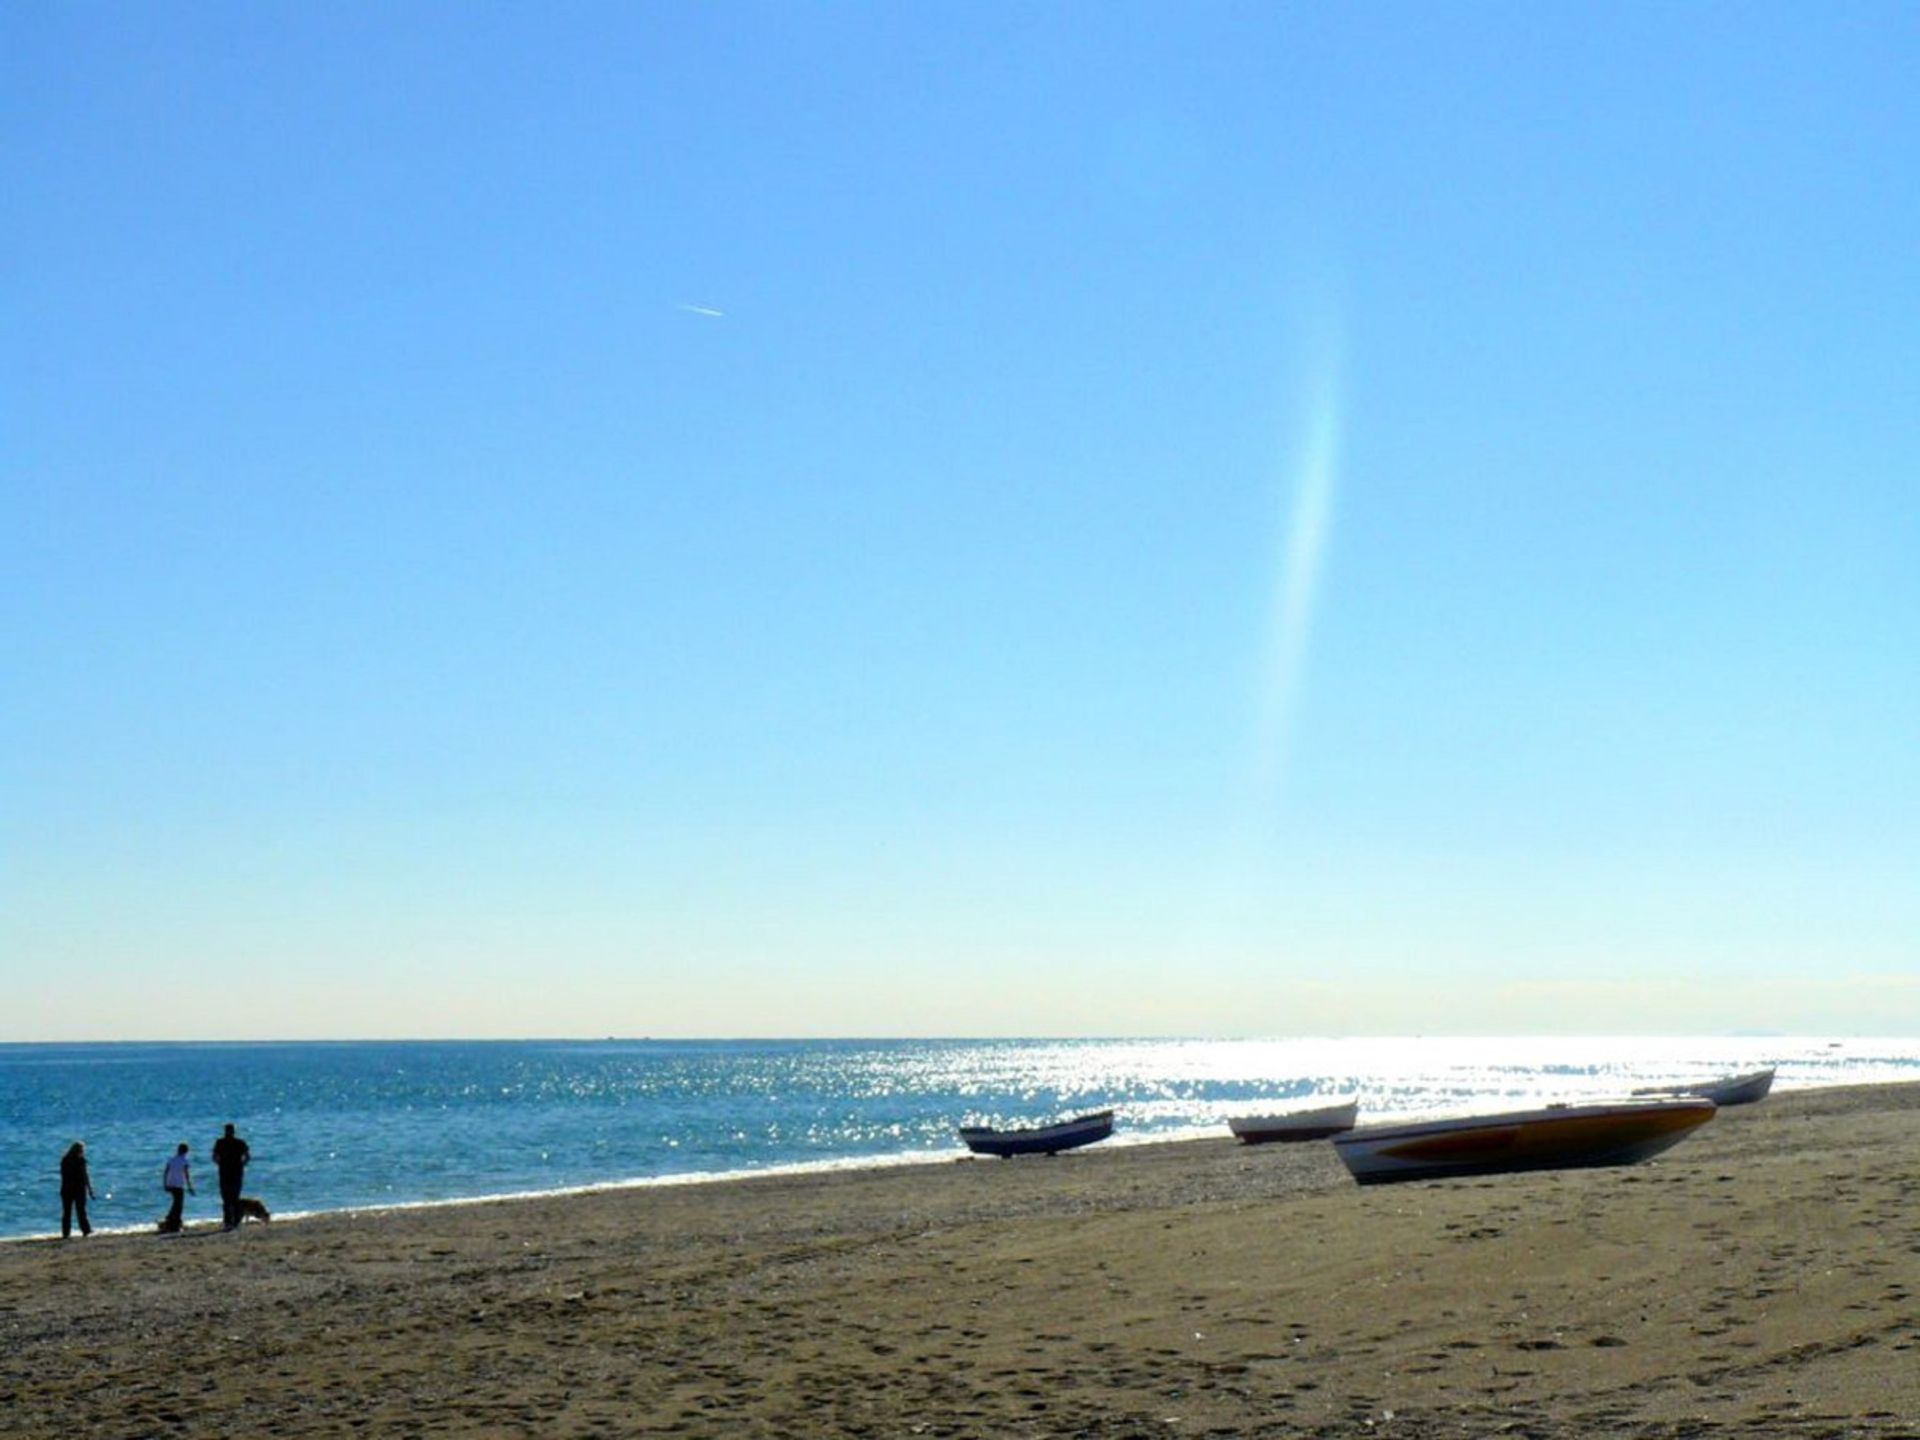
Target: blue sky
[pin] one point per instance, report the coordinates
(856, 519)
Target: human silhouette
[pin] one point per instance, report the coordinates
(176, 1178)
(76, 1188)
(230, 1156)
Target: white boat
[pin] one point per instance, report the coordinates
(1296, 1125)
(1728, 1090)
(1619, 1132)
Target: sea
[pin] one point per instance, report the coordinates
(355, 1125)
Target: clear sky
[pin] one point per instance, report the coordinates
(908, 519)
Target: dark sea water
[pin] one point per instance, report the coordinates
(355, 1124)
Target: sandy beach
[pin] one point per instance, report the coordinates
(1761, 1279)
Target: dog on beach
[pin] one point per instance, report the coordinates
(250, 1209)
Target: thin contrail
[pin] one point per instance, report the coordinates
(1303, 548)
(706, 310)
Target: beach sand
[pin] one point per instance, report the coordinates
(1763, 1278)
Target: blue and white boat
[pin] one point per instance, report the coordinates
(1041, 1139)
(1729, 1090)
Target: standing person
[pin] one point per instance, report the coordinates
(76, 1188)
(177, 1180)
(230, 1156)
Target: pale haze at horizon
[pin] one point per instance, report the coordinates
(794, 520)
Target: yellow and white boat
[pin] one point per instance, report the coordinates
(1618, 1132)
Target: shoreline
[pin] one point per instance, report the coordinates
(904, 1160)
(1761, 1277)
(845, 1164)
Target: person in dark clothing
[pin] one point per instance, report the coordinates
(76, 1188)
(176, 1178)
(230, 1156)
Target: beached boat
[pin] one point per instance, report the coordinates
(1728, 1090)
(1296, 1125)
(1620, 1132)
(1041, 1139)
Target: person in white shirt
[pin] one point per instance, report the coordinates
(177, 1180)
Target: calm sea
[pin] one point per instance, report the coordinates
(347, 1125)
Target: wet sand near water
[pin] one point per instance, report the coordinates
(1763, 1278)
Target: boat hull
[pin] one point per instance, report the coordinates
(1293, 1128)
(1558, 1138)
(1733, 1090)
(1042, 1140)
